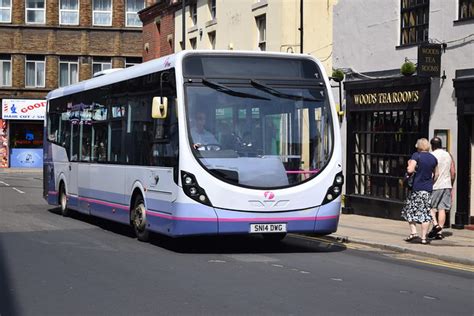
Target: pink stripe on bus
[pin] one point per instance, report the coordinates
(123, 207)
(263, 219)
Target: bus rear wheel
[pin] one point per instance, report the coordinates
(63, 201)
(139, 219)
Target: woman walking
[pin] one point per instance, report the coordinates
(418, 204)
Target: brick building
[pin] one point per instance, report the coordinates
(48, 44)
(158, 28)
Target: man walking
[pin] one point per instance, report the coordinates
(441, 195)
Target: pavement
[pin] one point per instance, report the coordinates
(457, 246)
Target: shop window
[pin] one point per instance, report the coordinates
(35, 71)
(383, 143)
(133, 6)
(68, 71)
(262, 32)
(102, 12)
(35, 11)
(466, 9)
(100, 64)
(69, 12)
(414, 21)
(5, 11)
(26, 135)
(5, 70)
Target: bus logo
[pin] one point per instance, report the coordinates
(269, 195)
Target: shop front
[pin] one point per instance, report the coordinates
(464, 92)
(385, 117)
(21, 132)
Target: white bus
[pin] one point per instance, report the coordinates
(200, 143)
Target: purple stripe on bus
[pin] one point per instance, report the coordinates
(266, 219)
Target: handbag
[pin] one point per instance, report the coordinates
(409, 178)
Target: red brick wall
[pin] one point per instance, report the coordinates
(158, 26)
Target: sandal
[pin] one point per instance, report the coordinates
(434, 231)
(439, 236)
(425, 241)
(411, 237)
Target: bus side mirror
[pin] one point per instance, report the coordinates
(159, 108)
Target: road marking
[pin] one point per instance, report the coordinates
(19, 191)
(400, 256)
(4, 183)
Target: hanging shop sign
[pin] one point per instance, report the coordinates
(22, 109)
(429, 60)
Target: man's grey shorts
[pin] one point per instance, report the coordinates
(441, 199)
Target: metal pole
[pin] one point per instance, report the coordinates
(183, 15)
(301, 26)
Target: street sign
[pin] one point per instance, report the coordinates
(429, 60)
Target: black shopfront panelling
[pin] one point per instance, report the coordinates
(385, 117)
(464, 91)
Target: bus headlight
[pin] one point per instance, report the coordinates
(192, 189)
(188, 180)
(335, 189)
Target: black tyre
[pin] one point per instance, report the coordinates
(138, 219)
(62, 199)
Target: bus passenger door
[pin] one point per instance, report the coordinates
(72, 186)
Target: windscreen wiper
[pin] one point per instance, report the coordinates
(221, 88)
(280, 94)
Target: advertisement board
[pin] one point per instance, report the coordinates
(23, 109)
(26, 158)
(3, 144)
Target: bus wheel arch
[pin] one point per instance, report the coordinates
(138, 218)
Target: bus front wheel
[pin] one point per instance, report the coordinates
(63, 201)
(139, 219)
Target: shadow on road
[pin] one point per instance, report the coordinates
(226, 244)
(7, 300)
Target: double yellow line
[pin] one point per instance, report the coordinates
(401, 256)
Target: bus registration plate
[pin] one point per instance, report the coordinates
(268, 228)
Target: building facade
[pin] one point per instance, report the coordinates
(45, 44)
(158, 29)
(269, 25)
(386, 112)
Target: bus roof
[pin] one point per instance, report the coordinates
(152, 66)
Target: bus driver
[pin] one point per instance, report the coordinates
(201, 136)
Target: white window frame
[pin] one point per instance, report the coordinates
(36, 62)
(212, 39)
(132, 12)
(129, 64)
(212, 9)
(69, 63)
(193, 43)
(35, 9)
(97, 11)
(101, 63)
(193, 13)
(8, 81)
(70, 11)
(9, 8)
(261, 21)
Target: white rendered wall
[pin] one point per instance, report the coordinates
(367, 35)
